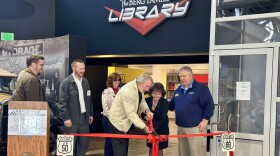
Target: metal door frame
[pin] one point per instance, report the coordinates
(268, 93)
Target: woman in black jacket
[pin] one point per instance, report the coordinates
(159, 106)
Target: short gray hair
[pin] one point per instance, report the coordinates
(186, 68)
(143, 78)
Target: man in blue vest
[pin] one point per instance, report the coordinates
(194, 106)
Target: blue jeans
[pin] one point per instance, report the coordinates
(108, 149)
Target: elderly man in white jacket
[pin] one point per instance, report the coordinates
(124, 111)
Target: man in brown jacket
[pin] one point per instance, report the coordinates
(29, 87)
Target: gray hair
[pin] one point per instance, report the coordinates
(186, 68)
(143, 78)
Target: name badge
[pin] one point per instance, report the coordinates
(88, 93)
(176, 94)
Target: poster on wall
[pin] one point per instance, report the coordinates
(55, 51)
(15, 59)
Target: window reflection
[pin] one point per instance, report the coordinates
(248, 31)
(244, 116)
(226, 8)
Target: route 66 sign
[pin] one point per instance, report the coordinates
(228, 142)
(65, 145)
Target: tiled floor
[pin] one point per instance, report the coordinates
(136, 148)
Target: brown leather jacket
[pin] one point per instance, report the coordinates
(28, 87)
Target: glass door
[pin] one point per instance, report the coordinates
(242, 91)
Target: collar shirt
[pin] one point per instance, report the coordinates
(186, 89)
(81, 94)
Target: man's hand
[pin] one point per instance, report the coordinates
(67, 123)
(146, 129)
(146, 117)
(90, 119)
(203, 125)
(149, 114)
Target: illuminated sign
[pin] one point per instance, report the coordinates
(145, 15)
(7, 36)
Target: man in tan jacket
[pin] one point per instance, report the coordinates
(123, 114)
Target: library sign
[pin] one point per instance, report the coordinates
(145, 15)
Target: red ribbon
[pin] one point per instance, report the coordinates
(154, 140)
(131, 136)
(150, 138)
(231, 153)
(149, 123)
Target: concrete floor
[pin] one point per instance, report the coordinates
(136, 148)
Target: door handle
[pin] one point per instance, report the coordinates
(217, 121)
(229, 122)
(219, 113)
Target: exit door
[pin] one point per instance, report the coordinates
(242, 81)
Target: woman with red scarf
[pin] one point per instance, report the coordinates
(113, 85)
